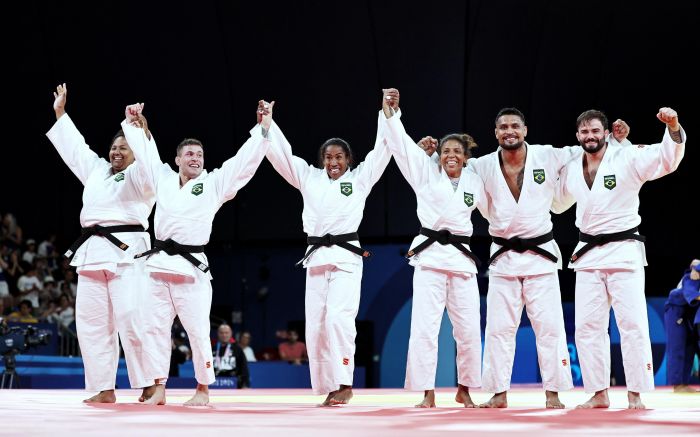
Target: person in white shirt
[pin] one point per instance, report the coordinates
(334, 200)
(180, 281)
(117, 200)
(445, 267)
(604, 181)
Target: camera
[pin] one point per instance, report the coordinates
(15, 340)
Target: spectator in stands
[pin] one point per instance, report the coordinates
(67, 284)
(244, 343)
(229, 359)
(24, 314)
(293, 350)
(4, 286)
(30, 252)
(61, 312)
(682, 320)
(47, 248)
(10, 232)
(29, 285)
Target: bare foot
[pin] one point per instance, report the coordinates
(157, 397)
(498, 400)
(683, 388)
(552, 400)
(342, 396)
(635, 401)
(428, 400)
(103, 397)
(598, 400)
(327, 402)
(200, 398)
(147, 393)
(463, 397)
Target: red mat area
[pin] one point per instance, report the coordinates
(290, 413)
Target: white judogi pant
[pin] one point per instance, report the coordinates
(108, 303)
(190, 299)
(433, 290)
(332, 302)
(596, 290)
(504, 306)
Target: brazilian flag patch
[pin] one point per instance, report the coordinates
(119, 177)
(609, 182)
(346, 188)
(198, 189)
(538, 175)
(469, 199)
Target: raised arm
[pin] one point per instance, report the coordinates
(657, 160)
(372, 168)
(292, 168)
(68, 141)
(143, 144)
(236, 172)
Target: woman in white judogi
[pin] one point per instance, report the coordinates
(117, 201)
(334, 200)
(445, 269)
(610, 258)
(187, 202)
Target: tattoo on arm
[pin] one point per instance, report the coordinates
(521, 177)
(676, 136)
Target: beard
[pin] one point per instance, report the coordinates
(511, 147)
(593, 149)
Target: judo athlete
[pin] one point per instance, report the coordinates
(178, 269)
(334, 201)
(609, 259)
(682, 322)
(445, 268)
(117, 200)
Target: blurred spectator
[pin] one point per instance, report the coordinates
(29, 285)
(229, 359)
(62, 313)
(682, 320)
(30, 251)
(50, 288)
(47, 248)
(14, 270)
(10, 232)
(293, 350)
(67, 284)
(4, 286)
(24, 315)
(244, 343)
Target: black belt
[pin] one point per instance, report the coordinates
(443, 237)
(598, 240)
(328, 240)
(520, 245)
(103, 231)
(172, 248)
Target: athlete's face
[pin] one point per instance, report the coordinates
(190, 161)
(120, 155)
(452, 158)
(510, 131)
(335, 161)
(591, 135)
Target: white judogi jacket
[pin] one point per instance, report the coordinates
(529, 217)
(612, 204)
(125, 198)
(439, 205)
(330, 206)
(185, 214)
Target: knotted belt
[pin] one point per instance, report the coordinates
(443, 237)
(598, 240)
(103, 231)
(172, 248)
(520, 245)
(328, 240)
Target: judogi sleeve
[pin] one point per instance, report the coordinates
(411, 159)
(236, 172)
(73, 149)
(371, 169)
(691, 290)
(657, 160)
(292, 168)
(146, 156)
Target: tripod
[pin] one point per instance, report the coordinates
(10, 374)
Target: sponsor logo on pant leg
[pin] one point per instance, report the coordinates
(346, 361)
(208, 364)
(564, 362)
(648, 366)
